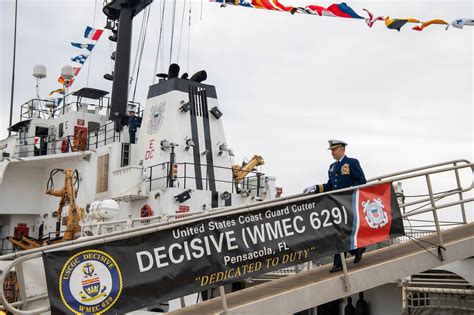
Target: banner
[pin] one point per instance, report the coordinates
(134, 273)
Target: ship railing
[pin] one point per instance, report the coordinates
(37, 108)
(99, 106)
(49, 144)
(46, 145)
(429, 300)
(107, 227)
(52, 108)
(106, 134)
(428, 186)
(160, 173)
(462, 194)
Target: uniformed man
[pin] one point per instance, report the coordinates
(345, 172)
(133, 123)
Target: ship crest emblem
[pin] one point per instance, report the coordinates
(375, 215)
(90, 282)
(156, 118)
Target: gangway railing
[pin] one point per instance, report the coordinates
(425, 173)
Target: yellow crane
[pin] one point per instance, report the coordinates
(68, 197)
(239, 172)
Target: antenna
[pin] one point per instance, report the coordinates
(39, 72)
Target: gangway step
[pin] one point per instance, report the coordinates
(315, 287)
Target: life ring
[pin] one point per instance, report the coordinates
(146, 211)
(80, 140)
(64, 146)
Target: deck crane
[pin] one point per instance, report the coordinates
(68, 196)
(239, 172)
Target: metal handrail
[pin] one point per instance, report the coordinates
(245, 184)
(416, 169)
(130, 223)
(156, 227)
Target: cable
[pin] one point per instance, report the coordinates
(90, 42)
(427, 204)
(189, 35)
(159, 41)
(172, 30)
(181, 30)
(416, 242)
(201, 10)
(140, 38)
(50, 183)
(141, 51)
(426, 195)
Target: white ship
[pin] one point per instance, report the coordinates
(178, 167)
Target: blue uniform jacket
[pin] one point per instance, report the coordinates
(343, 174)
(133, 123)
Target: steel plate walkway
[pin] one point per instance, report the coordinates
(311, 288)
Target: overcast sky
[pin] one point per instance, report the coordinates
(286, 84)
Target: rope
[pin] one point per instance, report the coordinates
(159, 41)
(172, 30)
(90, 42)
(181, 31)
(426, 249)
(416, 242)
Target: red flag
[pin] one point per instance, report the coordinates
(373, 218)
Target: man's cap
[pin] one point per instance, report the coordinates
(336, 143)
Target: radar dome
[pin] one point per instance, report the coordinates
(67, 72)
(39, 71)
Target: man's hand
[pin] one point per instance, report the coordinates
(310, 189)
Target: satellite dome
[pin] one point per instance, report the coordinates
(39, 71)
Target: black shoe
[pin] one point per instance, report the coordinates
(335, 269)
(358, 256)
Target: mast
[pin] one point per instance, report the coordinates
(123, 12)
(13, 70)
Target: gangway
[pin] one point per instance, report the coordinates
(308, 289)
(450, 240)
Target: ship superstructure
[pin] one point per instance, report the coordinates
(178, 167)
(180, 162)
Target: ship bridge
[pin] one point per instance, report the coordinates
(436, 204)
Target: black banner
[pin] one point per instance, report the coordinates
(126, 275)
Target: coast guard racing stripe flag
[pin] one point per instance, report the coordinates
(120, 276)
